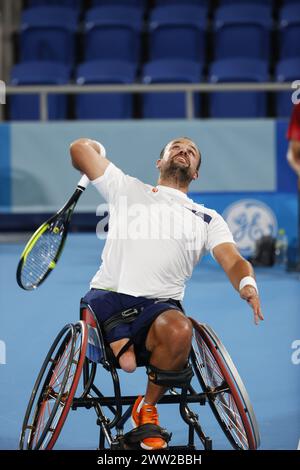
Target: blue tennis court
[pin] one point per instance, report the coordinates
(263, 355)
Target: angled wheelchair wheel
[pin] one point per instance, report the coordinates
(54, 389)
(225, 390)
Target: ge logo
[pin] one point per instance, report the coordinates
(248, 221)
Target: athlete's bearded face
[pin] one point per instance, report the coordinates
(180, 161)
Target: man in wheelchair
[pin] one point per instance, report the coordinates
(156, 237)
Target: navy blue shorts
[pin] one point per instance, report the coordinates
(105, 304)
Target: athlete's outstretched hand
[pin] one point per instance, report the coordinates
(249, 293)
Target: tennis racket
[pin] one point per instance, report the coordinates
(44, 248)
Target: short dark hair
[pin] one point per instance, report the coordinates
(161, 155)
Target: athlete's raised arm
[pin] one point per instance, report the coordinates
(88, 156)
(241, 275)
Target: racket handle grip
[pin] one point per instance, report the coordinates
(83, 182)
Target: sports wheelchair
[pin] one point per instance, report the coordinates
(80, 348)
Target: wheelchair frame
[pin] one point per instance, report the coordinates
(212, 366)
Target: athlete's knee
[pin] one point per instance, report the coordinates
(174, 330)
(179, 337)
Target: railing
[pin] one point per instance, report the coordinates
(188, 88)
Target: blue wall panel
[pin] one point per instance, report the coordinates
(237, 155)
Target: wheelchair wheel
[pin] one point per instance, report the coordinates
(225, 390)
(54, 389)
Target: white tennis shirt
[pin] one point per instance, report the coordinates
(156, 236)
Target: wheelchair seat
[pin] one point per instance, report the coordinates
(98, 350)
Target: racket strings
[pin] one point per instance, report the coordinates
(39, 258)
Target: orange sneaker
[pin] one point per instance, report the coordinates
(147, 414)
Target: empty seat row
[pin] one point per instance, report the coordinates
(177, 31)
(78, 3)
(153, 105)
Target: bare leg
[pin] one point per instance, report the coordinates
(127, 361)
(169, 341)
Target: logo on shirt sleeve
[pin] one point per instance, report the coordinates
(207, 218)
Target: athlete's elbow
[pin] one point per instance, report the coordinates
(77, 144)
(76, 149)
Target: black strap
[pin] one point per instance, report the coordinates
(126, 316)
(124, 348)
(130, 314)
(170, 378)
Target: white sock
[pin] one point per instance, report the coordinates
(143, 402)
(140, 406)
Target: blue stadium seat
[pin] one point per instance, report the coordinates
(169, 105)
(287, 70)
(48, 33)
(65, 3)
(27, 107)
(289, 25)
(242, 31)
(105, 105)
(113, 33)
(238, 104)
(255, 2)
(133, 3)
(202, 3)
(178, 32)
